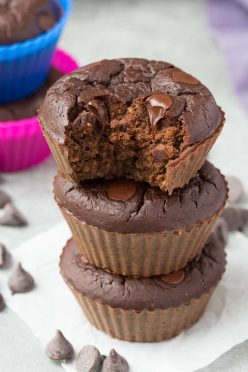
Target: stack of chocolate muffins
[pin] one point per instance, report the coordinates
(130, 137)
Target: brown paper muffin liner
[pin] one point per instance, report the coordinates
(140, 254)
(178, 171)
(145, 325)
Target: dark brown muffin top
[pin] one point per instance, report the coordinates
(27, 108)
(129, 118)
(22, 20)
(158, 292)
(125, 206)
(169, 94)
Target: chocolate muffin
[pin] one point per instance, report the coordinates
(22, 20)
(131, 118)
(131, 228)
(27, 108)
(144, 309)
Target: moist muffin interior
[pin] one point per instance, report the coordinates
(128, 118)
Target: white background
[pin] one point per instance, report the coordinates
(171, 30)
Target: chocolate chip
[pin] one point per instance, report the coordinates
(221, 229)
(183, 77)
(115, 363)
(236, 218)
(89, 360)
(99, 109)
(20, 281)
(157, 104)
(59, 348)
(236, 189)
(46, 21)
(4, 198)
(121, 190)
(12, 216)
(2, 303)
(160, 153)
(3, 255)
(174, 278)
(88, 122)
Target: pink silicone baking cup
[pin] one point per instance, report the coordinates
(22, 144)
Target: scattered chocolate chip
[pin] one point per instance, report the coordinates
(236, 218)
(2, 303)
(121, 190)
(183, 77)
(59, 348)
(236, 189)
(115, 363)
(20, 281)
(12, 216)
(157, 104)
(160, 153)
(46, 21)
(3, 255)
(174, 278)
(221, 229)
(89, 360)
(4, 198)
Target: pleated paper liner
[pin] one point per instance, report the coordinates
(140, 254)
(145, 325)
(178, 172)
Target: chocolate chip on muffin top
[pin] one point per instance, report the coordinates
(22, 20)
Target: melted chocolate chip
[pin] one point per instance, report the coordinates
(89, 360)
(174, 278)
(99, 109)
(183, 77)
(20, 281)
(157, 104)
(121, 190)
(59, 348)
(160, 153)
(115, 362)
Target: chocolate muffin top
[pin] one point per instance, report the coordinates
(130, 118)
(158, 292)
(22, 20)
(125, 206)
(27, 108)
(169, 94)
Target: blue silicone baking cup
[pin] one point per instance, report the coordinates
(24, 66)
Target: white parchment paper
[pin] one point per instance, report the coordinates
(51, 305)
